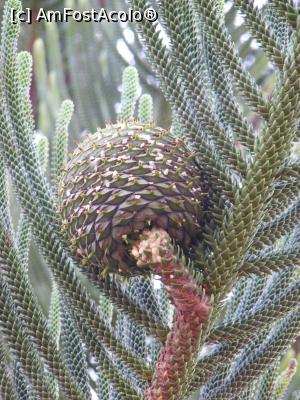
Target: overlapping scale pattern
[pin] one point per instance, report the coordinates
(124, 179)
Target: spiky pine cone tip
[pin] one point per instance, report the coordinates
(120, 181)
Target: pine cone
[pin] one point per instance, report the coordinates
(124, 179)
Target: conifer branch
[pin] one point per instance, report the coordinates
(269, 264)
(288, 172)
(243, 81)
(206, 367)
(23, 240)
(249, 231)
(258, 184)
(265, 387)
(4, 194)
(16, 107)
(277, 306)
(129, 92)
(258, 358)
(7, 384)
(42, 148)
(72, 347)
(259, 29)
(230, 114)
(15, 334)
(14, 271)
(192, 305)
(171, 85)
(54, 318)
(21, 385)
(252, 292)
(151, 322)
(175, 25)
(146, 108)
(51, 244)
(279, 282)
(277, 228)
(24, 70)
(287, 10)
(66, 279)
(60, 146)
(224, 353)
(284, 196)
(234, 301)
(7, 389)
(43, 235)
(110, 371)
(39, 331)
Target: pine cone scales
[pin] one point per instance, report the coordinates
(122, 180)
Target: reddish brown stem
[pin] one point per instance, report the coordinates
(191, 309)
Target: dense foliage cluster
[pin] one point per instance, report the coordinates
(219, 305)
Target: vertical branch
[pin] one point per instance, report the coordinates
(60, 148)
(192, 304)
(129, 92)
(146, 108)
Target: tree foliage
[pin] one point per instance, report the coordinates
(242, 134)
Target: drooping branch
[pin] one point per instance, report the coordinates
(259, 29)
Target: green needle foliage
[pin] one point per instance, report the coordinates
(129, 92)
(145, 108)
(104, 337)
(60, 145)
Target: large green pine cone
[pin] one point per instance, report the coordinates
(122, 180)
